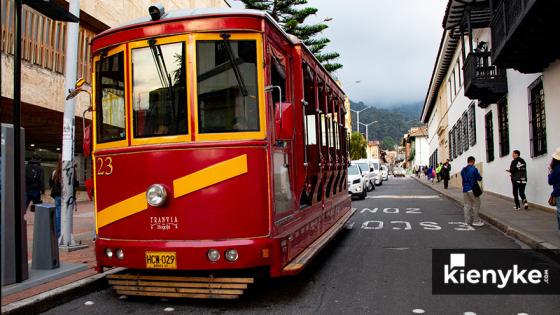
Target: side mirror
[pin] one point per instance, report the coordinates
(284, 121)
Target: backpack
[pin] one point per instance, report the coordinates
(33, 176)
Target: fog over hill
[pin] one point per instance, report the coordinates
(392, 120)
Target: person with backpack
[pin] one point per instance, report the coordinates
(56, 193)
(518, 172)
(471, 193)
(34, 181)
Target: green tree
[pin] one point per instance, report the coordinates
(358, 146)
(388, 143)
(291, 16)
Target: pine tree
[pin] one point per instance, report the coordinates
(292, 18)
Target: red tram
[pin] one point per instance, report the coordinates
(219, 144)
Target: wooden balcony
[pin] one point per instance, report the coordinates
(483, 80)
(525, 34)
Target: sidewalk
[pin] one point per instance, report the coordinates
(84, 229)
(538, 229)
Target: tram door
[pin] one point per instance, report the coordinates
(282, 149)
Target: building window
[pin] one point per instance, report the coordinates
(44, 40)
(450, 142)
(537, 118)
(450, 91)
(459, 72)
(465, 131)
(459, 136)
(503, 126)
(472, 125)
(489, 138)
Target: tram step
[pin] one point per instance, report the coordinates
(179, 286)
(305, 256)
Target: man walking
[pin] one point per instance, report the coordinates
(518, 172)
(34, 181)
(471, 176)
(446, 174)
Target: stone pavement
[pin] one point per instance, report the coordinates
(84, 229)
(536, 228)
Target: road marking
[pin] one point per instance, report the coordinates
(168, 309)
(405, 226)
(392, 210)
(396, 248)
(350, 226)
(404, 197)
(469, 313)
(89, 303)
(418, 311)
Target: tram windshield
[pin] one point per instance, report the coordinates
(158, 89)
(227, 86)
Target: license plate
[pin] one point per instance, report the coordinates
(161, 260)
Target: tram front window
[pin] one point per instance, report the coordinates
(227, 86)
(158, 90)
(109, 96)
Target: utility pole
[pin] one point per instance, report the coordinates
(66, 241)
(367, 129)
(358, 117)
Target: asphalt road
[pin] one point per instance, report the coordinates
(381, 264)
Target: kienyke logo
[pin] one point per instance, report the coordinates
(456, 272)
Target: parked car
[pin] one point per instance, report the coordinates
(376, 170)
(399, 172)
(384, 173)
(357, 185)
(367, 173)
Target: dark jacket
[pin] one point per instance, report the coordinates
(554, 181)
(470, 175)
(518, 170)
(446, 171)
(34, 176)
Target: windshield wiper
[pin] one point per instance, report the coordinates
(164, 76)
(234, 65)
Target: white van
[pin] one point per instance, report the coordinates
(376, 172)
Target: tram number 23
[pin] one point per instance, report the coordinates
(104, 166)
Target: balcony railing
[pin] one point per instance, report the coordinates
(507, 16)
(484, 81)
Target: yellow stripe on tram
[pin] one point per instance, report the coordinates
(122, 210)
(181, 186)
(209, 176)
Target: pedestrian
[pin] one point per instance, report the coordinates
(56, 193)
(518, 172)
(438, 172)
(554, 181)
(34, 181)
(430, 174)
(446, 174)
(471, 177)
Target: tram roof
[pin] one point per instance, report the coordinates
(198, 13)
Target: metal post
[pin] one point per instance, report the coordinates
(18, 207)
(66, 239)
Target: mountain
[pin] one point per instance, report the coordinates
(392, 121)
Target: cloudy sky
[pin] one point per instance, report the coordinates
(389, 46)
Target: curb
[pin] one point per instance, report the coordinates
(52, 298)
(529, 239)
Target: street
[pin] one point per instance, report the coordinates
(380, 264)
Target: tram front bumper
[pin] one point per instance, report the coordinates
(184, 255)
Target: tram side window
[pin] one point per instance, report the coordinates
(109, 97)
(278, 78)
(158, 90)
(309, 86)
(227, 102)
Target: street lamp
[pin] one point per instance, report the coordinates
(358, 117)
(367, 129)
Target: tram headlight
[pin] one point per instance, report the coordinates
(213, 255)
(119, 253)
(231, 255)
(109, 253)
(156, 195)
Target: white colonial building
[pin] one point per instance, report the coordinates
(495, 88)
